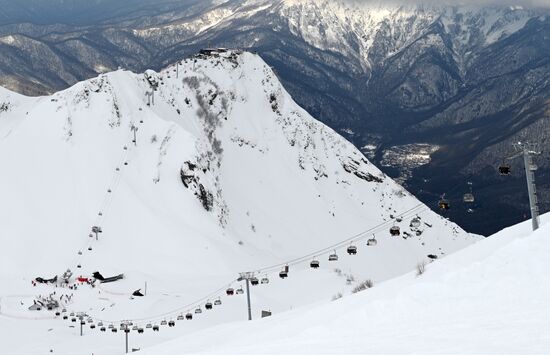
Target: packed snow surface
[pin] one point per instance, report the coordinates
(490, 298)
(226, 174)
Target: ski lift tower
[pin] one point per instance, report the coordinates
(528, 150)
(246, 276)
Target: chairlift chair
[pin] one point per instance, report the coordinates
(181, 317)
(135, 327)
(140, 330)
(265, 280)
(72, 314)
(114, 330)
(230, 291)
(352, 250)
(395, 231)
(65, 317)
(111, 326)
(208, 305)
(314, 264)
(254, 281)
(90, 320)
(171, 324)
(100, 324)
(92, 326)
(149, 326)
(283, 274)
(333, 257)
(90, 248)
(198, 311)
(102, 329)
(80, 251)
(217, 302)
(163, 322)
(189, 316)
(240, 291)
(156, 328)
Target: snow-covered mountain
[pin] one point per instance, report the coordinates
(429, 92)
(487, 299)
(227, 174)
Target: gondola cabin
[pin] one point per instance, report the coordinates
(505, 170)
(395, 231)
(415, 222)
(469, 198)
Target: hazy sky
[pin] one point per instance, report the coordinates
(525, 3)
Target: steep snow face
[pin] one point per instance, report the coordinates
(493, 294)
(226, 174)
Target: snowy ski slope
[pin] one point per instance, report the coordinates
(227, 174)
(490, 298)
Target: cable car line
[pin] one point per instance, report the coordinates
(414, 211)
(359, 236)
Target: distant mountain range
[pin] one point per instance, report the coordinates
(434, 95)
